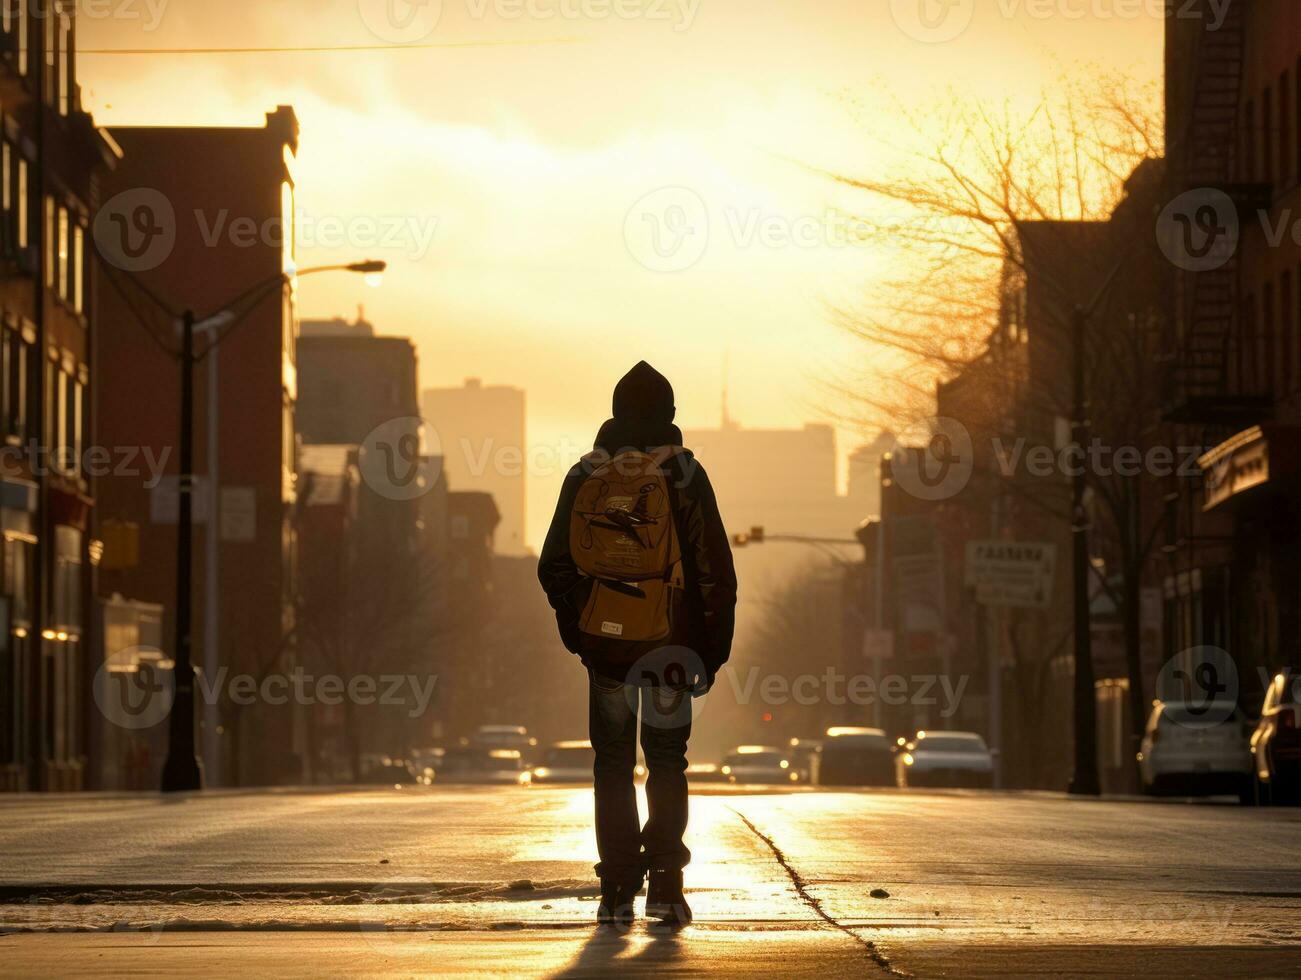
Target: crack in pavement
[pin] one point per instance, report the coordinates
(802, 889)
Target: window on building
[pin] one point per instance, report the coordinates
(20, 27)
(79, 268)
(13, 381)
(7, 180)
(67, 579)
(64, 233)
(62, 423)
(72, 399)
(49, 231)
(18, 578)
(50, 414)
(22, 204)
(65, 62)
(49, 45)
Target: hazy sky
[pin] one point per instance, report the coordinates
(553, 212)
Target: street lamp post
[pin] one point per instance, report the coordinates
(1084, 780)
(182, 771)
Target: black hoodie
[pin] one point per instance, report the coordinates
(643, 420)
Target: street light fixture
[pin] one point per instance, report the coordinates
(181, 770)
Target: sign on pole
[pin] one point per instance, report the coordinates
(1015, 574)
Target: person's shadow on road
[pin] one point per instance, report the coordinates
(602, 954)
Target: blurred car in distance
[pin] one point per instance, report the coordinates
(806, 756)
(853, 756)
(565, 762)
(759, 764)
(945, 759)
(1276, 742)
(506, 737)
(389, 772)
(1187, 752)
(706, 772)
(475, 764)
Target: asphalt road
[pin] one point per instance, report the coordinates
(498, 882)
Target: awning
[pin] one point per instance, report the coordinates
(1257, 459)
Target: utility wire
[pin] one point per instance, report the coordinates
(330, 48)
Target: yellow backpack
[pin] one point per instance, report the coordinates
(623, 535)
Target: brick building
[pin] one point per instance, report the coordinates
(1233, 99)
(221, 202)
(52, 162)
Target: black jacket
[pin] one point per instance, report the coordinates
(710, 599)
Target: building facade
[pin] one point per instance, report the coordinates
(205, 221)
(482, 435)
(52, 165)
(1234, 386)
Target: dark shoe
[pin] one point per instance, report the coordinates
(664, 898)
(616, 903)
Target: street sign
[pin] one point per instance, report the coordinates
(1015, 574)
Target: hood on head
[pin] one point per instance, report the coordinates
(644, 395)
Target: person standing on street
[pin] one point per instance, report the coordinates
(638, 567)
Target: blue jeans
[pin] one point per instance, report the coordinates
(626, 848)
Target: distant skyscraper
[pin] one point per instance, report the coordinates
(781, 479)
(481, 434)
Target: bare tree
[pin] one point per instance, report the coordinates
(987, 200)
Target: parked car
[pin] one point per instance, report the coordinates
(759, 764)
(389, 772)
(475, 764)
(1276, 742)
(856, 757)
(806, 756)
(565, 762)
(505, 737)
(1182, 755)
(706, 772)
(948, 759)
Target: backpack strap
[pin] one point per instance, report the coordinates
(676, 575)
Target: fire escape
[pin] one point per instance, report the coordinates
(1202, 386)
